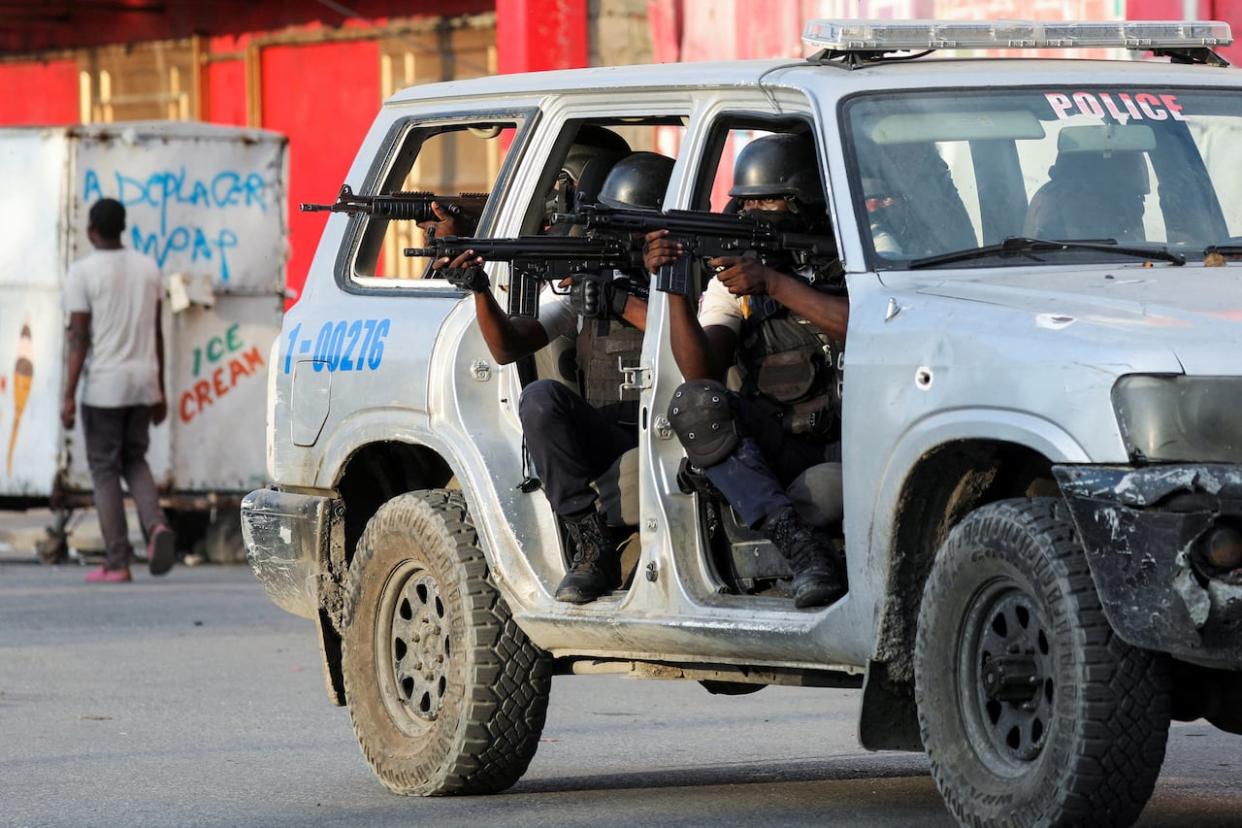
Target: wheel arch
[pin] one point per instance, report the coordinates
(376, 472)
(945, 481)
(369, 476)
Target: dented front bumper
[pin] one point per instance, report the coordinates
(287, 537)
(1144, 531)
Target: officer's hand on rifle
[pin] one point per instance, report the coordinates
(658, 250)
(465, 272)
(448, 224)
(744, 275)
(595, 296)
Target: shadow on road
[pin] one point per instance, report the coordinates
(834, 769)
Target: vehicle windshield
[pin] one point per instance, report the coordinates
(942, 172)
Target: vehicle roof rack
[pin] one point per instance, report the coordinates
(853, 44)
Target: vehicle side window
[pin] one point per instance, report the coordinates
(734, 142)
(451, 160)
(728, 138)
(584, 154)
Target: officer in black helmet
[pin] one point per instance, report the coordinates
(784, 331)
(776, 169)
(594, 152)
(572, 439)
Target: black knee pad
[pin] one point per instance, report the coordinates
(702, 415)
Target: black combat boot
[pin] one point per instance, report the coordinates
(596, 567)
(817, 581)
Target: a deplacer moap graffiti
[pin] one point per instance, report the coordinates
(230, 191)
(23, 378)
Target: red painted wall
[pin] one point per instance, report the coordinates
(324, 98)
(96, 24)
(534, 35)
(1229, 11)
(39, 93)
(224, 82)
(225, 100)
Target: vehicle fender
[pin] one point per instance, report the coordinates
(375, 425)
(931, 432)
(887, 716)
(380, 425)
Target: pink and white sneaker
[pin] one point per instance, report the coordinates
(103, 575)
(161, 550)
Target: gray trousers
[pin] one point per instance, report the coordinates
(116, 447)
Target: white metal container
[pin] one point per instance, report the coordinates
(208, 203)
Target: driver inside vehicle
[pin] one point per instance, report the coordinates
(1091, 195)
(880, 204)
(783, 328)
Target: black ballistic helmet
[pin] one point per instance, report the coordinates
(638, 180)
(592, 155)
(778, 165)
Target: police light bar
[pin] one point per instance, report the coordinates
(920, 35)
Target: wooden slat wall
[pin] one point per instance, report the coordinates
(147, 81)
(449, 164)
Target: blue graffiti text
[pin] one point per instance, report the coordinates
(203, 246)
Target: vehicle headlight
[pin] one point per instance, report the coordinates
(1177, 418)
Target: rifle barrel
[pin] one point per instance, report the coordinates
(400, 205)
(551, 247)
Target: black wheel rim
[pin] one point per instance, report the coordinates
(1006, 676)
(412, 646)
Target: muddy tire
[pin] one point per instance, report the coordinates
(1032, 711)
(446, 694)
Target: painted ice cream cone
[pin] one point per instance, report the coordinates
(23, 377)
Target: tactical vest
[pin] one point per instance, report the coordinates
(599, 374)
(793, 365)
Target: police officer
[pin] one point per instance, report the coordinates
(594, 152)
(573, 439)
(784, 331)
(881, 207)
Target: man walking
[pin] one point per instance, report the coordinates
(112, 297)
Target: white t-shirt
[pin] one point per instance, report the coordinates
(120, 289)
(556, 315)
(719, 307)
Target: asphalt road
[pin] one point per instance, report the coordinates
(193, 701)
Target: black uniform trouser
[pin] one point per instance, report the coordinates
(571, 442)
(754, 476)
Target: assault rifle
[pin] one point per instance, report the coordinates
(535, 259)
(403, 205)
(705, 236)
